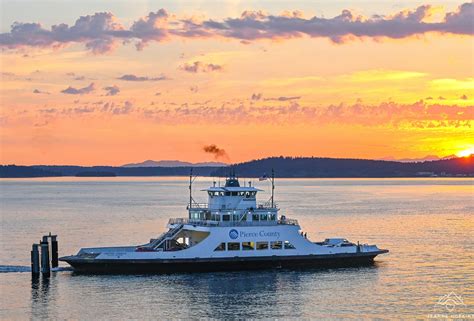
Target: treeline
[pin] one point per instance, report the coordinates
(297, 167)
(334, 167)
(13, 171)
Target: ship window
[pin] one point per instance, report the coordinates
(262, 245)
(233, 246)
(289, 246)
(246, 246)
(236, 217)
(220, 247)
(226, 217)
(235, 194)
(276, 245)
(255, 217)
(273, 217)
(253, 194)
(227, 193)
(263, 217)
(247, 194)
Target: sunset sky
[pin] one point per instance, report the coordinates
(114, 82)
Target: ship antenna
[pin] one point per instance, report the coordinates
(273, 186)
(190, 187)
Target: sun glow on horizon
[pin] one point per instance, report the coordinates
(466, 153)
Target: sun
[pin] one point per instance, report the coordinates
(466, 152)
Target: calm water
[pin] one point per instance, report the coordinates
(427, 224)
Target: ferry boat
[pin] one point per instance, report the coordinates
(231, 232)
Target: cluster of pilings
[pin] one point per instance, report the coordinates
(46, 263)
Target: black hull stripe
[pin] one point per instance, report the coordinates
(212, 265)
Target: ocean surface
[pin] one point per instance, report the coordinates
(427, 224)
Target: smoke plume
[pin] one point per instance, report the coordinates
(216, 151)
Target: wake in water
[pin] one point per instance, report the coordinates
(22, 268)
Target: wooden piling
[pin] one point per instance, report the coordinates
(35, 260)
(45, 267)
(54, 251)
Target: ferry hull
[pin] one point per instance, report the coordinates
(158, 266)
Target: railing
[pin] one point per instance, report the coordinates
(167, 235)
(198, 205)
(260, 206)
(196, 222)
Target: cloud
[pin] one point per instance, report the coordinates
(98, 32)
(37, 91)
(101, 32)
(418, 114)
(216, 151)
(126, 109)
(153, 27)
(199, 66)
(79, 91)
(130, 77)
(283, 98)
(112, 90)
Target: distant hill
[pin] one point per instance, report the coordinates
(336, 167)
(291, 167)
(414, 160)
(173, 163)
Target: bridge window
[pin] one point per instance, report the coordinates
(263, 217)
(227, 193)
(247, 246)
(220, 247)
(235, 194)
(273, 217)
(233, 246)
(226, 217)
(262, 245)
(255, 217)
(289, 246)
(276, 245)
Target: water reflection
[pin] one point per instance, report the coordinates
(43, 296)
(245, 294)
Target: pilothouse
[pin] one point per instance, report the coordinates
(232, 231)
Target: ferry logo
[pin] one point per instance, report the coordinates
(450, 301)
(233, 234)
